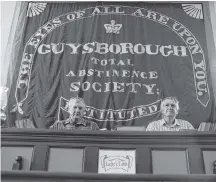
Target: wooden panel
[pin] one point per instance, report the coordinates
(169, 162)
(195, 160)
(91, 160)
(209, 157)
(65, 160)
(143, 160)
(39, 161)
(8, 155)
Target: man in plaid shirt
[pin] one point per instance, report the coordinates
(169, 110)
(76, 108)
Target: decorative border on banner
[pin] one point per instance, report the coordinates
(35, 9)
(114, 115)
(196, 52)
(193, 10)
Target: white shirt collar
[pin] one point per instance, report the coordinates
(163, 123)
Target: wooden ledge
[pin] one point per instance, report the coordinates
(111, 137)
(112, 177)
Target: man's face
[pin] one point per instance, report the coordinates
(76, 109)
(169, 108)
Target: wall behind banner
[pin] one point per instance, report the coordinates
(7, 14)
(210, 25)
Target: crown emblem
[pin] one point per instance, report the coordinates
(112, 28)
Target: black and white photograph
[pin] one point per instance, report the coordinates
(108, 91)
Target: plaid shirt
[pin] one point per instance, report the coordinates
(24, 123)
(82, 124)
(161, 125)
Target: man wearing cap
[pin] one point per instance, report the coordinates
(76, 121)
(169, 110)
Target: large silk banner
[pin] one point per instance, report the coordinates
(121, 58)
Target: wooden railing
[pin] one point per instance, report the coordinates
(198, 147)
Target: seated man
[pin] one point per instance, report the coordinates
(169, 110)
(76, 108)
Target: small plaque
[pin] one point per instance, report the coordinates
(117, 161)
